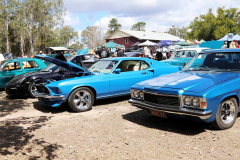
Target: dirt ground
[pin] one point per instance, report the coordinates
(113, 129)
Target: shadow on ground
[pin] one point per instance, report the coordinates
(54, 110)
(176, 125)
(9, 104)
(16, 138)
(111, 100)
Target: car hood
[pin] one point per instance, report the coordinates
(189, 81)
(69, 65)
(177, 61)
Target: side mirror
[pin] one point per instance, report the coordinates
(180, 68)
(117, 71)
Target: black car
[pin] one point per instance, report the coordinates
(87, 60)
(26, 83)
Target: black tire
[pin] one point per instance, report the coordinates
(226, 114)
(30, 86)
(81, 99)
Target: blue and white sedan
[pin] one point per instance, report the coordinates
(207, 89)
(106, 78)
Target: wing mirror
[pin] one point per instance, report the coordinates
(117, 71)
(180, 68)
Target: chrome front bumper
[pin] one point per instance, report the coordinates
(40, 96)
(179, 111)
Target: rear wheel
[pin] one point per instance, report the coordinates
(81, 99)
(226, 114)
(32, 89)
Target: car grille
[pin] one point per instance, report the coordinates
(167, 100)
(42, 89)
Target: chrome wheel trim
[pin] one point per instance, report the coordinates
(227, 112)
(82, 99)
(33, 89)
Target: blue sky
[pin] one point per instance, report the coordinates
(159, 15)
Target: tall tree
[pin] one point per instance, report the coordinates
(140, 26)
(113, 25)
(93, 36)
(41, 14)
(212, 26)
(177, 31)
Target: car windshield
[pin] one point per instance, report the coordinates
(187, 53)
(103, 66)
(51, 67)
(2, 64)
(215, 62)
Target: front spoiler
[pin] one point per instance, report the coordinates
(180, 111)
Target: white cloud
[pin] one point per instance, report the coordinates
(158, 15)
(71, 20)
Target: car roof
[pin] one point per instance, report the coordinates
(125, 58)
(197, 49)
(19, 59)
(222, 50)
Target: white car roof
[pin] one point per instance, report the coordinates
(197, 49)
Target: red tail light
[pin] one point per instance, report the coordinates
(184, 64)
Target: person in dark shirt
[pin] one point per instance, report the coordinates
(61, 57)
(120, 52)
(159, 56)
(102, 53)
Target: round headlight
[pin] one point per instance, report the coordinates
(135, 94)
(188, 101)
(196, 102)
(141, 95)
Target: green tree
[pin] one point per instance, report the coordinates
(77, 45)
(113, 25)
(140, 26)
(177, 31)
(212, 27)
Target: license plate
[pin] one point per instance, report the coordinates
(158, 113)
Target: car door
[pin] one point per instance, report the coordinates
(30, 66)
(130, 74)
(10, 70)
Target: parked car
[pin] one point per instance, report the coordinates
(87, 60)
(207, 89)
(11, 68)
(110, 77)
(26, 82)
(183, 56)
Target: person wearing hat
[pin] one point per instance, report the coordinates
(102, 53)
(119, 52)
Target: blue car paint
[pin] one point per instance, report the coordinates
(108, 85)
(214, 86)
(177, 61)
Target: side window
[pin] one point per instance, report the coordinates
(127, 66)
(12, 66)
(29, 64)
(144, 65)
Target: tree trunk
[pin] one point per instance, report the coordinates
(30, 34)
(7, 42)
(22, 45)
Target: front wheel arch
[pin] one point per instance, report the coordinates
(92, 89)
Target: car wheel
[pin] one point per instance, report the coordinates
(226, 114)
(81, 99)
(32, 89)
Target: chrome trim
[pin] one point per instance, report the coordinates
(170, 95)
(13, 88)
(39, 95)
(179, 111)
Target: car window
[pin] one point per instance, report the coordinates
(12, 66)
(144, 65)
(188, 53)
(127, 66)
(29, 64)
(103, 66)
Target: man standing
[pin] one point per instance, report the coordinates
(102, 53)
(119, 52)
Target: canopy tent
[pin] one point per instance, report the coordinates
(146, 43)
(111, 45)
(212, 44)
(196, 42)
(202, 41)
(82, 51)
(163, 43)
(182, 43)
(225, 38)
(59, 48)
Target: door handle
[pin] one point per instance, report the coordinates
(144, 72)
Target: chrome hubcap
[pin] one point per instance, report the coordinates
(33, 89)
(82, 99)
(227, 112)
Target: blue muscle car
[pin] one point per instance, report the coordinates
(106, 78)
(207, 89)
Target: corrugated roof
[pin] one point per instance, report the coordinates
(149, 35)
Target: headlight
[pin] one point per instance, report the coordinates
(137, 94)
(195, 102)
